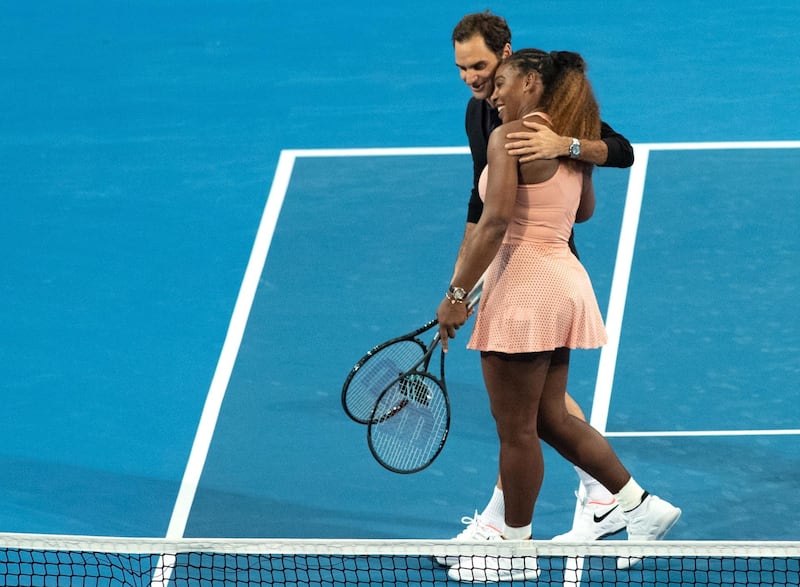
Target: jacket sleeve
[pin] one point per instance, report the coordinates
(620, 150)
(477, 146)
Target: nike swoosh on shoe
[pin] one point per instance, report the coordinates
(598, 519)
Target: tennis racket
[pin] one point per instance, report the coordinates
(384, 363)
(411, 418)
(410, 421)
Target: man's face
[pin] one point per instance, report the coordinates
(476, 64)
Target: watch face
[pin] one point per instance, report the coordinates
(575, 149)
(458, 293)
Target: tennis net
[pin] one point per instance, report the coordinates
(44, 560)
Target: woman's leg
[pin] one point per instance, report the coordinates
(573, 438)
(515, 384)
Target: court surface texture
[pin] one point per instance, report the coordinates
(212, 210)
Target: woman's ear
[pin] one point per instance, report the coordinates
(531, 80)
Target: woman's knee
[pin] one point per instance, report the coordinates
(554, 424)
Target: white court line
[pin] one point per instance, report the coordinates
(625, 249)
(379, 152)
(258, 256)
(230, 348)
(698, 433)
(162, 571)
(410, 151)
(619, 289)
(619, 292)
(723, 145)
(241, 313)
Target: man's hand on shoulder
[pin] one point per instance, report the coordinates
(541, 142)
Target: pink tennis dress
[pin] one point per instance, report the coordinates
(537, 295)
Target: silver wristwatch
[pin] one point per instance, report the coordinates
(575, 149)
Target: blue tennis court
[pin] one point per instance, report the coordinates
(213, 210)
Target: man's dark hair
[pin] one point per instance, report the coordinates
(494, 30)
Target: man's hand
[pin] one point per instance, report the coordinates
(541, 143)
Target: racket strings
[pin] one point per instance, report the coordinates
(410, 423)
(414, 389)
(376, 373)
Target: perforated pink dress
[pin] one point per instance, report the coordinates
(537, 295)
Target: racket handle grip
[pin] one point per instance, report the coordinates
(474, 295)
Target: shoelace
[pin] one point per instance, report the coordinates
(582, 500)
(477, 529)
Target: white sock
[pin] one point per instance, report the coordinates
(523, 533)
(630, 496)
(494, 513)
(593, 488)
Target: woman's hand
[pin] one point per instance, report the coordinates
(451, 316)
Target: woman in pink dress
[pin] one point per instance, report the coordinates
(537, 304)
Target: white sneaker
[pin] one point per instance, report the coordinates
(477, 529)
(494, 569)
(650, 520)
(593, 520)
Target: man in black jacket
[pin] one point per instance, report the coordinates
(480, 42)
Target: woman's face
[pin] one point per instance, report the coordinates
(512, 91)
(507, 92)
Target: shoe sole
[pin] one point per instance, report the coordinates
(627, 563)
(610, 534)
(481, 577)
(585, 539)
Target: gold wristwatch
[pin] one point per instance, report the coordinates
(456, 295)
